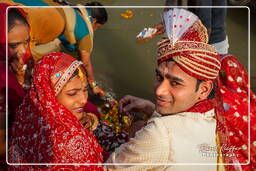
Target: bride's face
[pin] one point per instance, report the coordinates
(74, 96)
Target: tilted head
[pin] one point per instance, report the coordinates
(74, 93)
(18, 34)
(70, 84)
(99, 14)
(59, 81)
(187, 65)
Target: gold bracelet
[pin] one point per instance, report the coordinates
(90, 118)
(93, 85)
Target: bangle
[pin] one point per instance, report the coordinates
(93, 84)
(91, 119)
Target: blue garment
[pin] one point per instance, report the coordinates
(31, 2)
(81, 30)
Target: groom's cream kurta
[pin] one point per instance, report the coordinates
(174, 139)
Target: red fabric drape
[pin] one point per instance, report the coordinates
(45, 131)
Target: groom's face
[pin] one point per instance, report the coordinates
(175, 90)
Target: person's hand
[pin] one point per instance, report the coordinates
(16, 65)
(136, 126)
(159, 26)
(160, 29)
(135, 104)
(28, 74)
(89, 121)
(96, 89)
(99, 91)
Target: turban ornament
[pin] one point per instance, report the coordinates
(187, 45)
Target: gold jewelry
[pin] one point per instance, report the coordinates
(91, 119)
(81, 73)
(93, 84)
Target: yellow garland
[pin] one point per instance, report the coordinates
(127, 14)
(109, 114)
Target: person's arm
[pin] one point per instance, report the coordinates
(85, 57)
(160, 29)
(204, 14)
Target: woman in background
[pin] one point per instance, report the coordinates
(72, 27)
(18, 37)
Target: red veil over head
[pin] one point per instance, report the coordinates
(237, 100)
(15, 92)
(44, 130)
(3, 30)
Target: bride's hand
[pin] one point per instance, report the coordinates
(90, 121)
(99, 91)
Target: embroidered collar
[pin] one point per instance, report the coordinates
(203, 107)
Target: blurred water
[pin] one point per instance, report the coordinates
(125, 67)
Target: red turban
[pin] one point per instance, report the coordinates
(187, 46)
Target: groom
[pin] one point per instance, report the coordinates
(182, 127)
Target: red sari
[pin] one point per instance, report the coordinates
(235, 91)
(15, 91)
(45, 131)
(231, 108)
(231, 104)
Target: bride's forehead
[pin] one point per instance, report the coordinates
(75, 82)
